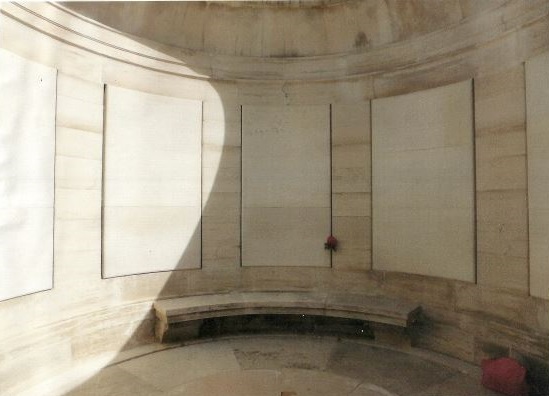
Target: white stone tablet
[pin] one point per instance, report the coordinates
(423, 183)
(285, 185)
(27, 152)
(151, 183)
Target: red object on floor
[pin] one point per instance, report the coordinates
(504, 375)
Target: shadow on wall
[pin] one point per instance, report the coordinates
(212, 220)
(218, 230)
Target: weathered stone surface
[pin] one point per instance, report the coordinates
(500, 138)
(485, 41)
(537, 95)
(351, 185)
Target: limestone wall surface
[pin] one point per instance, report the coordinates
(187, 198)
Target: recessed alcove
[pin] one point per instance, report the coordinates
(165, 150)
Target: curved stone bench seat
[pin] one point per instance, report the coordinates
(379, 309)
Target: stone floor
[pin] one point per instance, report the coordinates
(285, 365)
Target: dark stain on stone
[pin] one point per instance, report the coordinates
(537, 373)
(291, 54)
(361, 40)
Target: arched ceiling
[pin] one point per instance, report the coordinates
(282, 29)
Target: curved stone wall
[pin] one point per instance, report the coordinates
(88, 315)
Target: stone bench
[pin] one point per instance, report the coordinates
(174, 314)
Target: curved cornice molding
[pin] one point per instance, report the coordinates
(465, 45)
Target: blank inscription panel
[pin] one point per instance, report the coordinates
(285, 185)
(27, 152)
(151, 183)
(423, 183)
